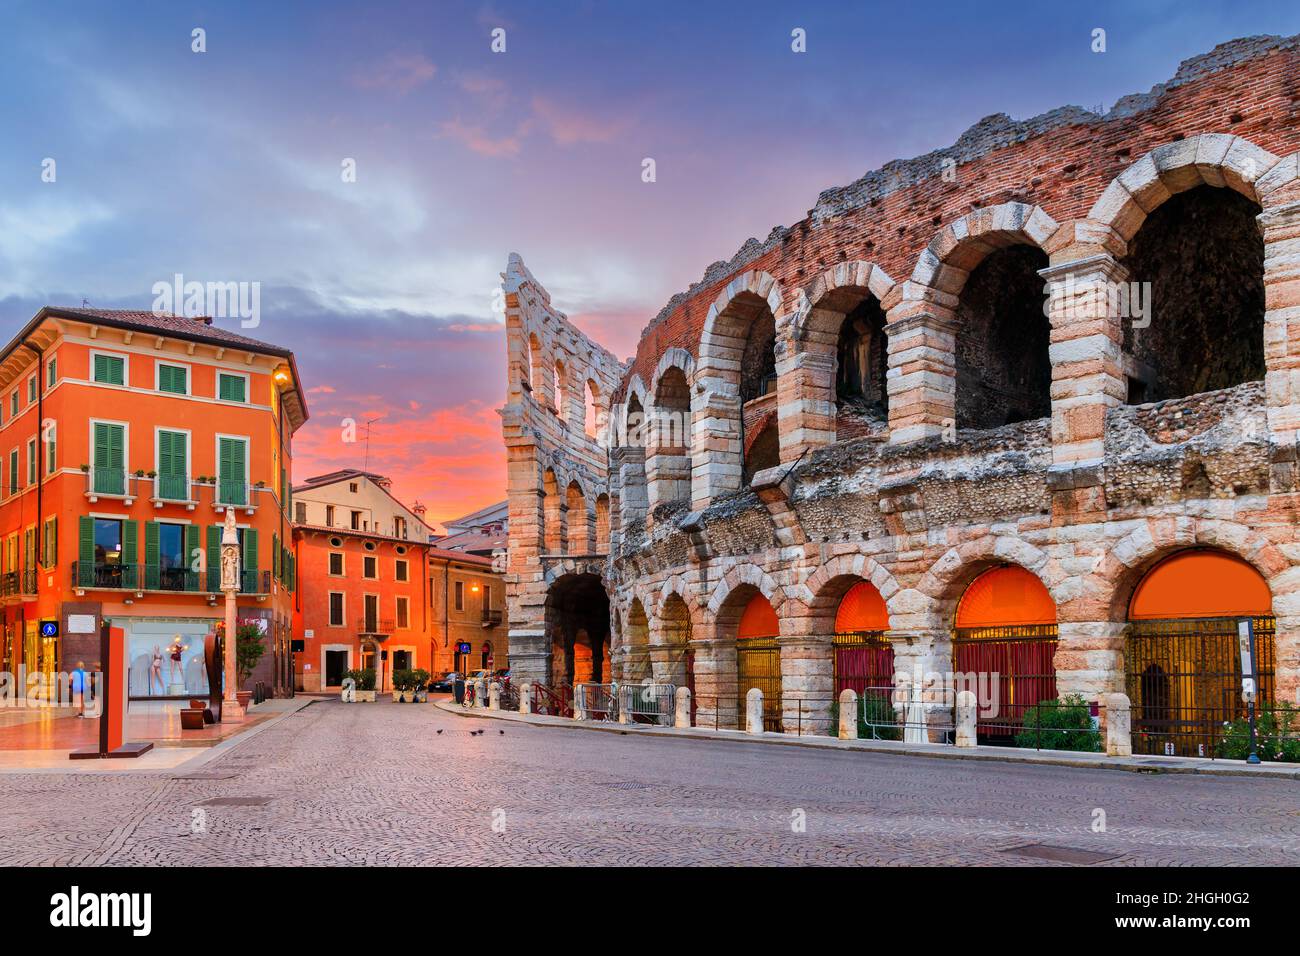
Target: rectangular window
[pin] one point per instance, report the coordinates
(109, 461)
(231, 388)
(460, 595)
(51, 453)
(52, 372)
(173, 378)
(403, 612)
(232, 471)
(110, 370)
(50, 542)
(31, 461)
(401, 572)
(329, 516)
(336, 609)
(13, 405)
(300, 512)
(171, 557)
(173, 466)
(356, 521)
(13, 471)
(336, 564)
(370, 569)
(31, 390)
(487, 597)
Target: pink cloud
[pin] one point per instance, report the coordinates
(399, 72)
(476, 139)
(567, 126)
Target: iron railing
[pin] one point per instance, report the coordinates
(232, 492)
(1020, 659)
(758, 664)
(648, 703)
(555, 700)
(172, 488)
(369, 624)
(491, 618)
(107, 481)
(140, 577)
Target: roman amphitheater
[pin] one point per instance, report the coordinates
(1027, 405)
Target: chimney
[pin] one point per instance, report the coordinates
(419, 510)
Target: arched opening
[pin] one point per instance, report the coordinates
(863, 660)
(553, 536)
(561, 385)
(758, 660)
(634, 424)
(668, 463)
(740, 347)
(1004, 644)
(861, 362)
(763, 448)
(636, 656)
(1183, 652)
(536, 370)
(1004, 374)
(677, 665)
(1202, 254)
(758, 363)
(578, 627)
(579, 538)
(594, 417)
(602, 523)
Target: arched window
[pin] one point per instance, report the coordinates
(561, 390)
(594, 420)
(669, 439)
(579, 538)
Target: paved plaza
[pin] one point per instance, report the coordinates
(409, 784)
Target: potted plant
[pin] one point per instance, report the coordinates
(401, 684)
(85, 468)
(250, 647)
(139, 472)
(419, 685)
(151, 473)
(365, 684)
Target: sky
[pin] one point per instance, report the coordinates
(227, 165)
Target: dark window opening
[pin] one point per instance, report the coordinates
(1004, 374)
(764, 452)
(1203, 255)
(862, 359)
(758, 365)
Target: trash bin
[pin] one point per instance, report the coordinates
(458, 690)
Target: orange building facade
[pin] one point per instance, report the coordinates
(126, 436)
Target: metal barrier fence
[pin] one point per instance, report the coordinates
(595, 701)
(647, 703)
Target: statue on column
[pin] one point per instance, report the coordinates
(230, 709)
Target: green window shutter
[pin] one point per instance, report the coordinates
(231, 388)
(110, 370)
(13, 472)
(214, 557)
(51, 371)
(192, 582)
(51, 454)
(151, 557)
(171, 378)
(275, 556)
(54, 541)
(131, 576)
(250, 549)
(85, 551)
(230, 465)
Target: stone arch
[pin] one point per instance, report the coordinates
(579, 525)
(821, 593)
(947, 577)
(1213, 159)
(633, 413)
(960, 246)
(636, 646)
(673, 358)
(602, 521)
(744, 576)
(554, 536)
(668, 444)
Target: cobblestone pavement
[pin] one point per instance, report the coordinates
(379, 784)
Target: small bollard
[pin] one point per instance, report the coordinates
(966, 709)
(754, 711)
(848, 714)
(625, 713)
(682, 705)
(526, 699)
(494, 696)
(1119, 726)
(480, 693)
(579, 702)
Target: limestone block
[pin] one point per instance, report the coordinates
(754, 711)
(1119, 737)
(848, 715)
(966, 711)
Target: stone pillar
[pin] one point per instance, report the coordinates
(1089, 658)
(754, 711)
(1280, 225)
(1118, 714)
(530, 655)
(494, 696)
(966, 711)
(1087, 365)
(624, 713)
(480, 693)
(807, 683)
(682, 707)
(716, 703)
(921, 655)
(848, 715)
(805, 396)
(525, 698)
(628, 462)
(922, 377)
(716, 454)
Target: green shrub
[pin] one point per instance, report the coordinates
(1277, 735)
(1059, 724)
(364, 678)
(877, 719)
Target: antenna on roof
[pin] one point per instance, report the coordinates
(366, 466)
(85, 302)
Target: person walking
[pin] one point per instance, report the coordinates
(79, 688)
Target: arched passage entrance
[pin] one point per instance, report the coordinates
(864, 660)
(1004, 640)
(577, 624)
(1182, 656)
(758, 660)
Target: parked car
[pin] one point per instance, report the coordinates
(484, 675)
(501, 674)
(442, 685)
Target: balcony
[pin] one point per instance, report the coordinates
(371, 626)
(233, 493)
(18, 583)
(109, 483)
(172, 489)
(491, 618)
(98, 575)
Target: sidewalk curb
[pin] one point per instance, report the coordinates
(212, 753)
(1153, 764)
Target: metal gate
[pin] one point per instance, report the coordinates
(1019, 657)
(864, 661)
(758, 664)
(1183, 678)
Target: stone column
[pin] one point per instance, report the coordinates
(805, 390)
(925, 655)
(922, 377)
(807, 683)
(848, 715)
(716, 466)
(1118, 716)
(716, 703)
(230, 568)
(1089, 658)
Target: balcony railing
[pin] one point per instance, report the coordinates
(491, 618)
(13, 583)
(172, 488)
(374, 625)
(232, 492)
(139, 577)
(108, 481)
